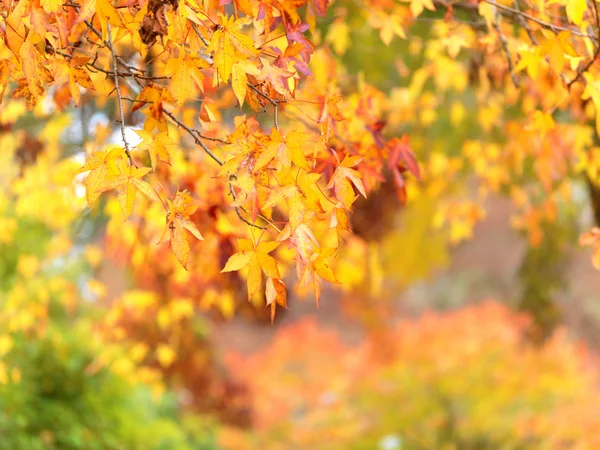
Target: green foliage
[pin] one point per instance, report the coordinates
(62, 385)
(60, 403)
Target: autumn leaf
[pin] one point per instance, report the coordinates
(286, 150)
(184, 71)
(330, 109)
(300, 193)
(103, 169)
(158, 146)
(154, 98)
(229, 45)
(340, 221)
(128, 182)
(108, 15)
(275, 76)
(316, 269)
(178, 221)
(78, 76)
(257, 260)
(276, 294)
(575, 10)
(417, 6)
(388, 25)
(344, 178)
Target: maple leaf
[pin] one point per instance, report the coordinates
(299, 46)
(229, 45)
(340, 221)
(388, 25)
(78, 76)
(276, 294)
(287, 150)
(417, 6)
(103, 169)
(128, 182)
(401, 156)
(300, 193)
(294, 56)
(178, 220)
(257, 259)
(316, 269)
(110, 169)
(575, 10)
(184, 71)
(158, 146)
(154, 97)
(34, 70)
(330, 108)
(531, 60)
(275, 76)
(155, 21)
(107, 14)
(239, 78)
(343, 179)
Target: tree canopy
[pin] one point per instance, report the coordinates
(245, 133)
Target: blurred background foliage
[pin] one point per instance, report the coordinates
(445, 381)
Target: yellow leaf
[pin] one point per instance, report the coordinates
(575, 10)
(51, 6)
(236, 262)
(276, 294)
(254, 279)
(179, 243)
(108, 13)
(230, 45)
(338, 36)
(417, 6)
(239, 83)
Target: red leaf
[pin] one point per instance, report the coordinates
(401, 155)
(375, 130)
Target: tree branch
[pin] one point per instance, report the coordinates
(119, 97)
(194, 136)
(504, 43)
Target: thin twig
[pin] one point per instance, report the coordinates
(237, 208)
(208, 138)
(272, 101)
(199, 142)
(119, 98)
(504, 43)
(524, 24)
(202, 38)
(550, 26)
(194, 136)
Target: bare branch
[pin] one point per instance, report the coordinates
(202, 38)
(525, 25)
(119, 97)
(504, 43)
(549, 26)
(194, 136)
(272, 101)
